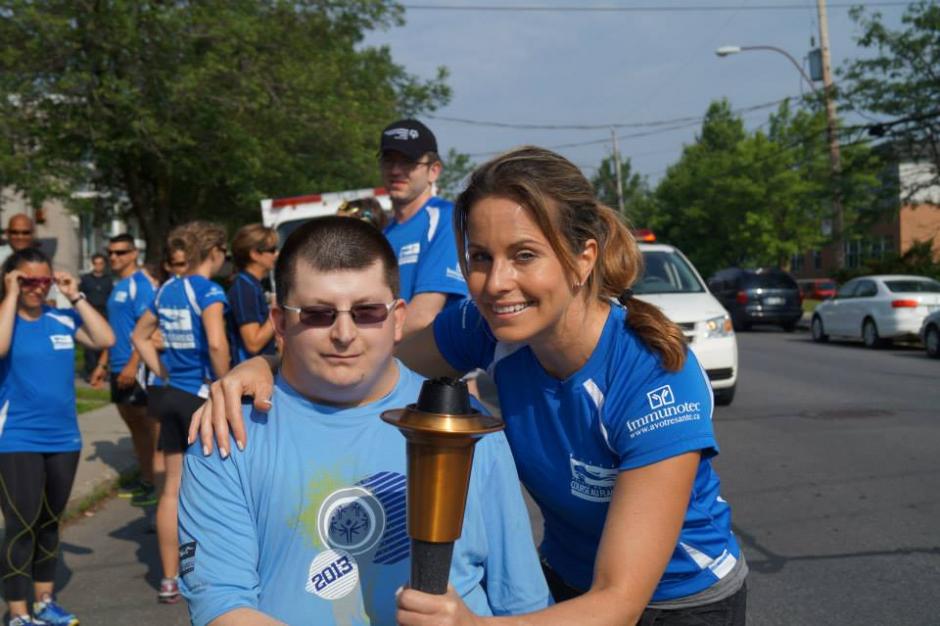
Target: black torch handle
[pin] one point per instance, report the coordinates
(430, 565)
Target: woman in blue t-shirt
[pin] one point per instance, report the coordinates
(39, 437)
(607, 412)
(189, 310)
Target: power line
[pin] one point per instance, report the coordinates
(650, 124)
(534, 8)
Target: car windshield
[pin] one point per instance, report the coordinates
(770, 280)
(925, 285)
(667, 272)
(826, 285)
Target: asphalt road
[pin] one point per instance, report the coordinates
(830, 462)
(830, 459)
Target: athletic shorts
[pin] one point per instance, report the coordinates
(134, 395)
(176, 412)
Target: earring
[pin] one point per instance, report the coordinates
(577, 285)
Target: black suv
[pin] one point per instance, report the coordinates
(761, 296)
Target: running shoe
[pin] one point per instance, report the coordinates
(169, 591)
(25, 620)
(130, 488)
(145, 496)
(49, 612)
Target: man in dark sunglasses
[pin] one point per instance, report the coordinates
(318, 498)
(20, 234)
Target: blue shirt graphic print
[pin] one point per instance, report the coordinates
(308, 523)
(129, 299)
(179, 305)
(37, 385)
(427, 252)
(571, 438)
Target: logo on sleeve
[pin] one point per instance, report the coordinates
(120, 296)
(409, 253)
(62, 342)
(333, 574)
(661, 397)
(592, 482)
(187, 558)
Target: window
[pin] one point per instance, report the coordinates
(866, 289)
(817, 259)
(853, 253)
(913, 286)
(846, 290)
(796, 262)
(667, 272)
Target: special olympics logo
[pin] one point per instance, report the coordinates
(351, 519)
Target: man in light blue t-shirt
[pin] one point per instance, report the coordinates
(307, 524)
(421, 230)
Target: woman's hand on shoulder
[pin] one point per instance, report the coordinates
(416, 608)
(222, 411)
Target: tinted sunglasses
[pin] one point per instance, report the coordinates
(33, 282)
(119, 252)
(19, 233)
(325, 316)
(269, 249)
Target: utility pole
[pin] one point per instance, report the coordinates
(835, 159)
(613, 136)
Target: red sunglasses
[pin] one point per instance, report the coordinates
(32, 282)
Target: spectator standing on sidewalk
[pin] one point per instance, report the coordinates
(251, 331)
(40, 441)
(189, 311)
(130, 298)
(421, 230)
(96, 285)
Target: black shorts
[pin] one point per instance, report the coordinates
(176, 409)
(134, 395)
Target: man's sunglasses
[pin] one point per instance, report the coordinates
(34, 282)
(19, 233)
(119, 252)
(325, 316)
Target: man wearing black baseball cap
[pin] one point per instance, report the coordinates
(421, 232)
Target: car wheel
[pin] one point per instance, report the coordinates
(870, 334)
(724, 397)
(932, 342)
(816, 328)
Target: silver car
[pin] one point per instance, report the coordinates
(930, 334)
(877, 309)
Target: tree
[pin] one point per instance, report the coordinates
(739, 198)
(901, 82)
(176, 110)
(638, 202)
(457, 167)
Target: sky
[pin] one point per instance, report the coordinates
(564, 68)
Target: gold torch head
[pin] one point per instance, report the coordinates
(441, 429)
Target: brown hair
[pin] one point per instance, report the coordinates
(561, 201)
(251, 237)
(366, 209)
(197, 239)
(332, 243)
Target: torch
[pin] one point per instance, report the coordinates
(442, 430)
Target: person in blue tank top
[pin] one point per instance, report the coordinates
(421, 231)
(608, 414)
(40, 441)
(251, 332)
(189, 311)
(308, 525)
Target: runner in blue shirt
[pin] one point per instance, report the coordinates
(254, 251)
(421, 231)
(39, 437)
(190, 313)
(608, 414)
(308, 525)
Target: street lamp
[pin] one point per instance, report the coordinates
(835, 159)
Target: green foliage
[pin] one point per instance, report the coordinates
(638, 203)
(900, 80)
(919, 260)
(177, 110)
(457, 167)
(756, 199)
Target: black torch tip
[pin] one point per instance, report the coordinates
(444, 395)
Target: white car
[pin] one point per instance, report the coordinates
(930, 334)
(877, 309)
(671, 282)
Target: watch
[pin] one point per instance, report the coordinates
(80, 296)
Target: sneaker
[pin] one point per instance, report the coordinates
(145, 496)
(169, 591)
(49, 612)
(131, 487)
(25, 620)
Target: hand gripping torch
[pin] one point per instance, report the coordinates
(442, 430)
